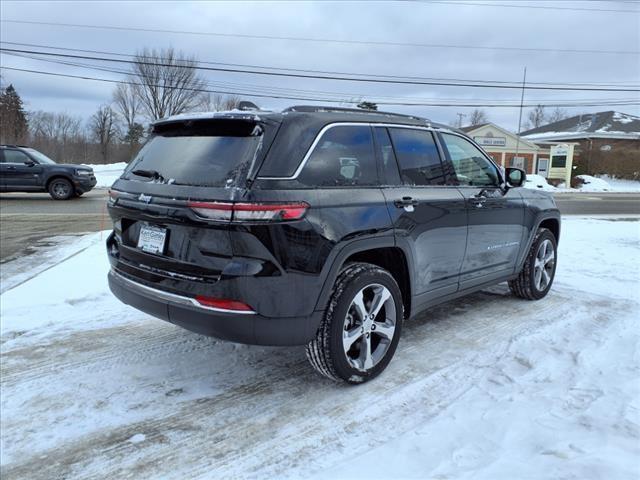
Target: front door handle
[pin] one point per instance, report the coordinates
(407, 203)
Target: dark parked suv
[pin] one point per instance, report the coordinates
(320, 226)
(23, 169)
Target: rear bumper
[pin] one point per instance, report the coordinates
(241, 327)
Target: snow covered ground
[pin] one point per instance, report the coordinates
(591, 184)
(486, 387)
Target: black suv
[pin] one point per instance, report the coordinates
(320, 226)
(23, 169)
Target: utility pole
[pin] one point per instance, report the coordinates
(460, 117)
(524, 82)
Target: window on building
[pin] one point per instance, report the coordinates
(418, 156)
(559, 161)
(517, 162)
(470, 165)
(343, 157)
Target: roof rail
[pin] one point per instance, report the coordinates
(317, 108)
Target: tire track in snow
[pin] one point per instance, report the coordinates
(272, 421)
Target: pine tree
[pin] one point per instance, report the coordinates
(13, 119)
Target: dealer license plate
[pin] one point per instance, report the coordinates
(151, 239)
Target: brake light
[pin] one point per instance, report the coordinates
(223, 304)
(250, 212)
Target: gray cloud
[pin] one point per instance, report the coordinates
(408, 22)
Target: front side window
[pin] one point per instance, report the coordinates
(471, 166)
(417, 156)
(15, 156)
(41, 157)
(389, 167)
(343, 157)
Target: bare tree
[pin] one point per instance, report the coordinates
(218, 102)
(478, 116)
(166, 82)
(104, 128)
(127, 103)
(558, 114)
(536, 117)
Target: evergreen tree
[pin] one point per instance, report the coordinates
(13, 119)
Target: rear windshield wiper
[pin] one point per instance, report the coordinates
(148, 174)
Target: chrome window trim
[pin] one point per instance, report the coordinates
(172, 297)
(329, 126)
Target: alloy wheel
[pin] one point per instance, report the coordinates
(544, 265)
(369, 326)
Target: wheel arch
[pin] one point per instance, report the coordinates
(552, 222)
(381, 251)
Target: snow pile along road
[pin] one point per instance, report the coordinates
(107, 174)
(488, 386)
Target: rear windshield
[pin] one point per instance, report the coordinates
(202, 153)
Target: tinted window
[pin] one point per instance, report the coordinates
(214, 154)
(15, 156)
(390, 173)
(343, 156)
(470, 165)
(417, 156)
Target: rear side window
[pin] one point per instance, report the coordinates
(418, 157)
(15, 156)
(201, 153)
(342, 157)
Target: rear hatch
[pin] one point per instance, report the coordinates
(160, 235)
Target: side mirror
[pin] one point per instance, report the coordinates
(515, 177)
(29, 163)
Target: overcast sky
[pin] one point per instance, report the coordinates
(558, 26)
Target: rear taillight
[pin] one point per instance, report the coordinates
(249, 212)
(223, 304)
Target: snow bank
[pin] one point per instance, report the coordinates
(107, 174)
(620, 184)
(538, 182)
(593, 184)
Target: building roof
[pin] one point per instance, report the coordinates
(471, 128)
(523, 141)
(591, 125)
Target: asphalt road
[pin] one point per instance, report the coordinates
(26, 219)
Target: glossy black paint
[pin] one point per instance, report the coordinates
(35, 177)
(452, 241)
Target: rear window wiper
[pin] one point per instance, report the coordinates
(153, 174)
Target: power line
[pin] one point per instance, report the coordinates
(414, 104)
(540, 7)
(342, 96)
(319, 77)
(326, 72)
(323, 40)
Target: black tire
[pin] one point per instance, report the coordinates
(61, 189)
(527, 284)
(327, 353)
